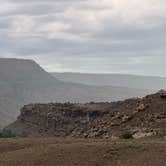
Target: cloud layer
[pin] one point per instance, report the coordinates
(126, 36)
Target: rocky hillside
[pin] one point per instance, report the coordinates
(140, 117)
(24, 81)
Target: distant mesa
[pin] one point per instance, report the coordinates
(121, 80)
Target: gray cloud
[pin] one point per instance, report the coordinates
(86, 35)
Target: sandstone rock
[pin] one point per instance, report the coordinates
(143, 134)
(85, 135)
(106, 136)
(126, 118)
(141, 107)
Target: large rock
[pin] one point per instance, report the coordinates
(162, 93)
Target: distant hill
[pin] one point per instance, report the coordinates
(24, 81)
(122, 80)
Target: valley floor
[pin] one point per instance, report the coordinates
(76, 152)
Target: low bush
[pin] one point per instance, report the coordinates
(127, 135)
(7, 134)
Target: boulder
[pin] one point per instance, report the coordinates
(141, 107)
(162, 94)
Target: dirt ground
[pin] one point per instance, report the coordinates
(76, 152)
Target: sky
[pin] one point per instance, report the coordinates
(88, 36)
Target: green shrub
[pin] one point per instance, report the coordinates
(127, 135)
(7, 134)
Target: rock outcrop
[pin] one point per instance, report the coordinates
(141, 117)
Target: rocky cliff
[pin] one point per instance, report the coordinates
(141, 117)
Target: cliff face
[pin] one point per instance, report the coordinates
(141, 117)
(55, 119)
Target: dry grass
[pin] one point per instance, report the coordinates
(71, 152)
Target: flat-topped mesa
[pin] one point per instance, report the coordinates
(141, 117)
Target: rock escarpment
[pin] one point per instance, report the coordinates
(141, 117)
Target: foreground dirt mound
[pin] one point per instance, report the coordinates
(140, 117)
(71, 152)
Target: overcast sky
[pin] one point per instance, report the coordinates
(92, 36)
